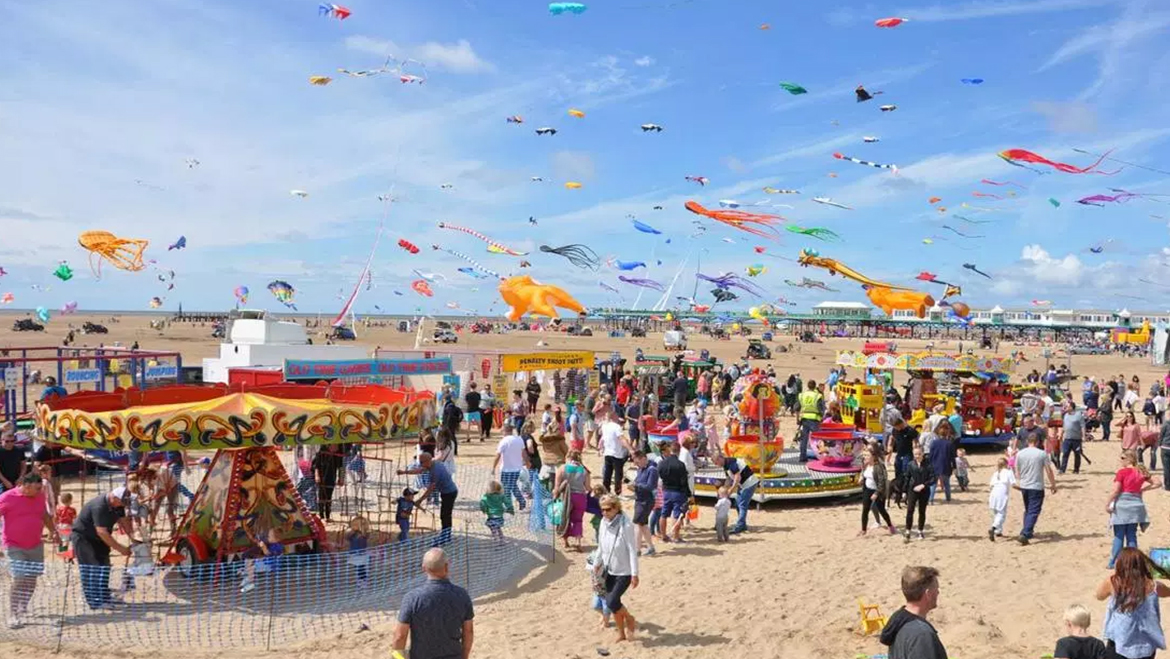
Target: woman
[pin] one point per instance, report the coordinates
(445, 450)
(1133, 617)
(617, 560)
(833, 413)
(574, 477)
(1126, 508)
(1131, 433)
(874, 486)
(487, 408)
(703, 387)
(917, 479)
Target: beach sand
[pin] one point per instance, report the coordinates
(788, 588)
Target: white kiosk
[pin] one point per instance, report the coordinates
(256, 341)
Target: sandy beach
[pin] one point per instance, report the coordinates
(790, 587)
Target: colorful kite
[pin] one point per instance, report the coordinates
(644, 283)
(8, 298)
(609, 288)
(408, 246)
(701, 180)
(421, 287)
(756, 269)
(840, 156)
(829, 202)
(572, 185)
(987, 195)
(1054, 201)
(988, 181)
(625, 266)
(573, 112)
(579, 255)
(950, 228)
(754, 223)
(645, 228)
(156, 302)
(122, 253)
(558, 8)
(515, 119)
(334, 11)
(472, 272)
(43, 314)
(493, 246)
(63, 272)
(972, 221)
(284, 292)
(178, 244)
(320, 81)
(1121, 197)
(890, 22)
(771, 190)
(793, 88)
(474, 264)
(815, 232)
(729, 280)
(241, 294)
(1018, 156)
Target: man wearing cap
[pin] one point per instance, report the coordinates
(52, 389)
(23, 513)
(93, 538)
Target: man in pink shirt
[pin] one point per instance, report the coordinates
(24, 513)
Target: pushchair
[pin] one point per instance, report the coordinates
(1092, 424)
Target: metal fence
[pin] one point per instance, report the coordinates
(306, 597)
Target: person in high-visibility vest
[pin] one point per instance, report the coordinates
(812, 410)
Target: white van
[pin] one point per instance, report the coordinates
(674, 340)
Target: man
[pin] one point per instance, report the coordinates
(439, 479)
(645, 486)
(23, 511)
(615, 450)
(472, 399)
(890, 414)
(452, 420)
(510, 460)
(52, 389)
(93, 538)
(437, 617)
(812, 410)
(1072, 436)
(1032, 465)
(679, 390)
(1028, 430)
(742, 477)
(676, 490)
(908, 634)
(12, 462)
(901, 445)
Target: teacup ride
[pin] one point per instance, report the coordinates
(839, 448)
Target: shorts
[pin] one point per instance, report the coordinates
(642, 510)
(674, 504)
(26, 562)
(495, 523)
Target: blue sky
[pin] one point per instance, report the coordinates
(102, 103)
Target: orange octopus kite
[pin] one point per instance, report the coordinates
(757, 224)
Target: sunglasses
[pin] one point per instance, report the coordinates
(609, 509)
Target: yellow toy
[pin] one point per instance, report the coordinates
(872, 620)
(122, 253)
(525, 295)
(861, 405)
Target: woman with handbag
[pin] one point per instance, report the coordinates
(574, 476)
(616, 567)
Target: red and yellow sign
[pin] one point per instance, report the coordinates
(546, 361)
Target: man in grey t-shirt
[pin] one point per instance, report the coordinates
(437, 616)
(1073, 434)
(1032, 465)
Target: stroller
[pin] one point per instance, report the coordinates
(1092, 423)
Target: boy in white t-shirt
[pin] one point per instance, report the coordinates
(510, 460)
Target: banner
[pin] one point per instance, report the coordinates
(306, 369)
(81, 375)
(546, 361)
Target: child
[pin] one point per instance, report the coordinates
(657, 521)
(962, 469)
(494, 504)
(355, 465)
(1150, 411)
(63, 519)
(593, 507)
(722, 514)
(402, 515)
(271, 550)
(307, 486)
(1001, 484)
(599, 604)
(546, 421)
(358, 540)
(1078, 644)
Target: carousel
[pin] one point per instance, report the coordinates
(835, 471)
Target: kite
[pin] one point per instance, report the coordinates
(863, 95)
(722, 295)
(572, 185)
(988, 181)
(934, 200)
(829, 202)
(888, 108)
(771, 190)
(558, 8)
(701, 180)
(980, 208)
(283, 292)
(971, 221)
(608, 287)
(515, 119)
(1120, 197)
(890, 22)
(122, 253)
(3, 272)
(657, 208)
(532, 221)
(971, 81)
(760, 249)
(1042, 303)
(1123, 162)
(335, 11)
(815, 232)
(298, 193)
(728, 280)
(537, 179)
(472, 272)
(525, 295)
(546, 131)
(793, 88)
(63, 272)
(178, 244)
(644, 283)
(68, 308)
(972, 267)
(43, 314)
(756, 269)
(421, 287)
(765, 26)
(646, 128)
(754, 223)
(155, 302)
(870, 139)
(1017, 156)
(579, 255)
(805, 282)
(493, 246)
(320, 81)
(626, 266)
(573, 112)
(1054, 201)
(840, 156)
(8, 298)
(645, 228)
(986, 195)
(446, 186)
(729, 203)
(474, 264)
(192, 163)
(950, 228)
(408, 246)
(241, 294)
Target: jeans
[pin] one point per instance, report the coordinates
(1153, 456)
(878, 506)
(1073, 446)
(900, 464)
(446, 508)
(1123, 535)
(742, 502)
(1165, 468)
(540, 497)
(946, 480)
(1106, 424)
(806, 428)
(1033, 503)
(919, 500)
(93, 561)
(511, 482)
(613, 470)
(655, 515)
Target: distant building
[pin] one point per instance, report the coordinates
(997, 315)
(842, 310)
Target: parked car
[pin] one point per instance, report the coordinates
(757, 350)
(445, 336)
(674, 340)
(343, 334)
(93, 328)
(27, 325)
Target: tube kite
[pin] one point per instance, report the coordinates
(987, 181)
(493, 246)
(421, 287)
(644, 283)
(729, 280)
(1018, 156)
(627, 266)
(333, 11)
(890, 22)
(574, 112)
(859, 161)
(973, 268)
(701, 180)
(793, 88)
(757, 224)
(474, 264)
(558, 8)
(408, 246)
(122, 253)
(815, 232)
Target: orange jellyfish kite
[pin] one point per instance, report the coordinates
(122, 253)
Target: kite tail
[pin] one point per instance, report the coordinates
(1090, 169)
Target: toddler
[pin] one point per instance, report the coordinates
(494, 504)
(962, 469)
(1078, 644)
(599, 604)
(63, 519)
(358, 540)
(593, 507)
(722, 514)
(403, 512)
(271, 549)
(1001, 485)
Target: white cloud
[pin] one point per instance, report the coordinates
(1071, 117)
(1045, 269)
(573, 166)
(606, 81)
(972, 10)
(644, 60)
(458, 57)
